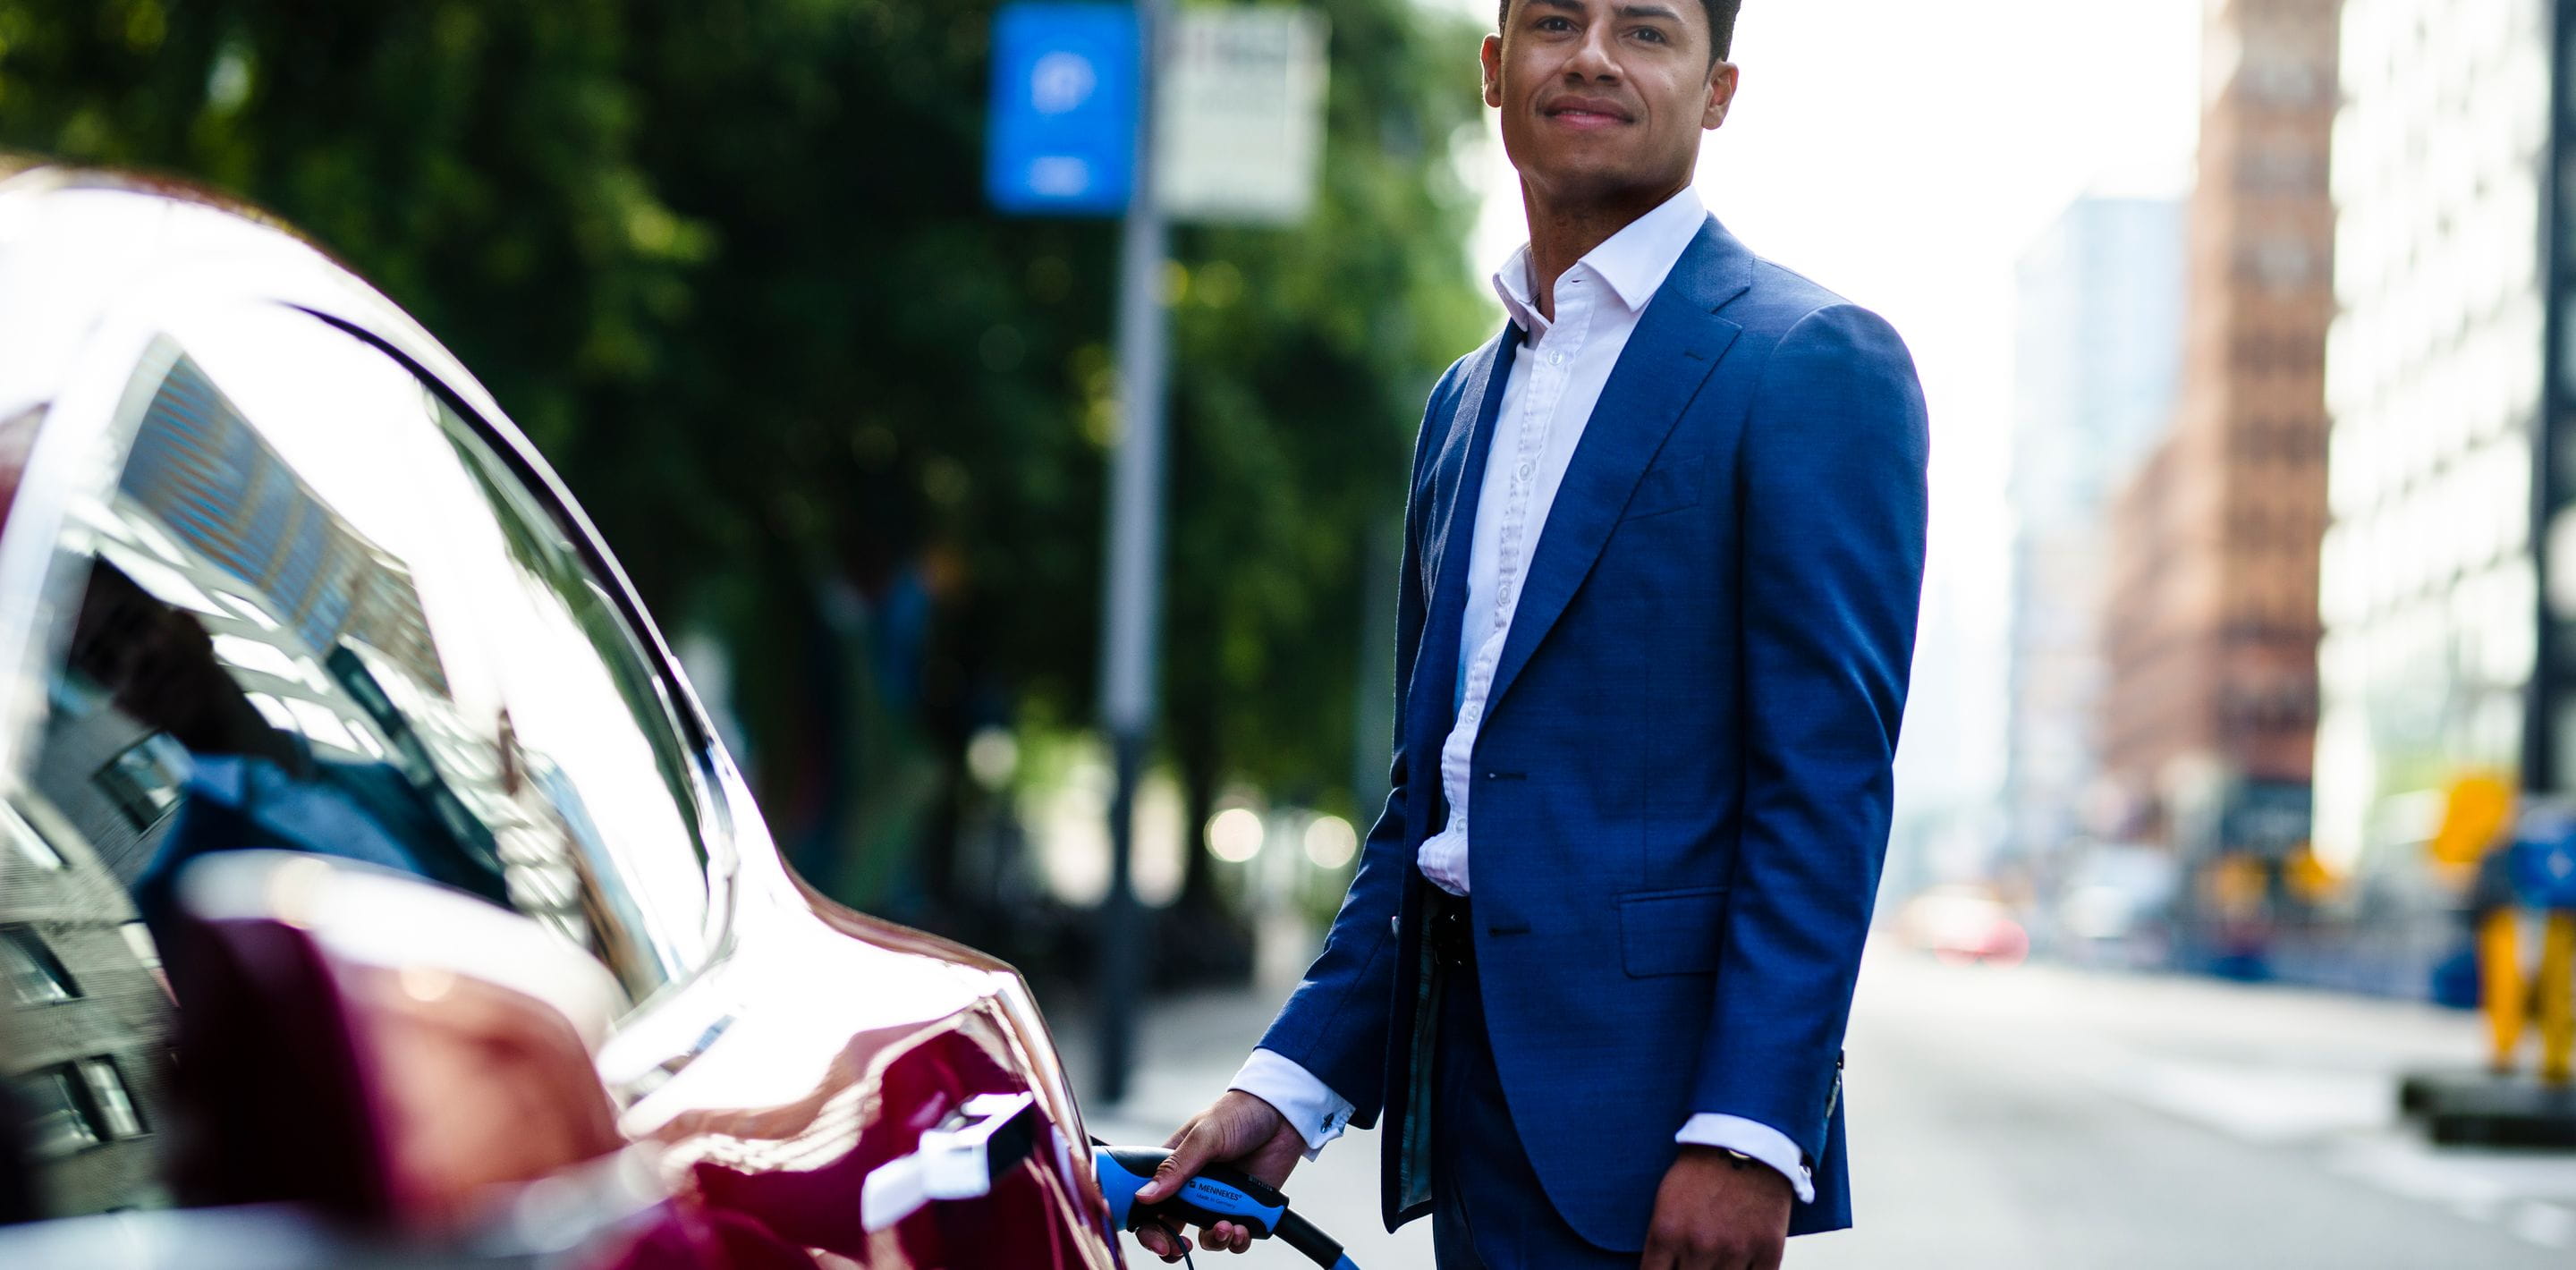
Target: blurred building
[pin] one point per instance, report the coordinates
(2097, 350)
(2210, 632)
(2434, 376)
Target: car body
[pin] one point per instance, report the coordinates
(375, 886)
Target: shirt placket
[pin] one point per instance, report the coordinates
(1552, 358)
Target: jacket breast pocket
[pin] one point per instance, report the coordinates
(1667, 487)
(1672, 932)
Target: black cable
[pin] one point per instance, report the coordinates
(1300, 1234)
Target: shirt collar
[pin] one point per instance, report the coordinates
(1633, 262)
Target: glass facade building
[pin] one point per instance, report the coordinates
(2427, 588)
(2097, 350)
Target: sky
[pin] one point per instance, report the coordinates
(1903, 153)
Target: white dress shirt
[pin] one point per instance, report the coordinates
(1555, 380)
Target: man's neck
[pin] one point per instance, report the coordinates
(1561, 233)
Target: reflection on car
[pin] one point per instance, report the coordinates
(368, 853)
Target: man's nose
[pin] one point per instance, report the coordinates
(1593, 60)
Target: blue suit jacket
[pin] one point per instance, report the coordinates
(1682, 784)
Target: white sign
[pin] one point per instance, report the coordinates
(1239, 114)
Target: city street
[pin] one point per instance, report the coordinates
(2045, 1117)
(2115, 505)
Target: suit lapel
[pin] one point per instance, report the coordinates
(1678, 341)
(1457, 483)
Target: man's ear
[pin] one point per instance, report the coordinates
(1492, 56)
(1722, 79)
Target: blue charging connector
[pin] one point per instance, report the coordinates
(1216, 1194)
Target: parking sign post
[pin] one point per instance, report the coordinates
(1072, 135)
(1132, 616)
(1076, 131)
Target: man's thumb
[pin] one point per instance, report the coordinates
(1177, 1168)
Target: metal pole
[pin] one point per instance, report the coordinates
(2541, 744)
(1131, 609)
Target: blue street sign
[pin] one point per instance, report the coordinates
(1063, 130)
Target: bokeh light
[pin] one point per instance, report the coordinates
(1234, 835)
(1331, 842)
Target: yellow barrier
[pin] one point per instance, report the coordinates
(2558, 998)
(2500, 986)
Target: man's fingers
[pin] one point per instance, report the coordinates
(1688, 1253)
(1163, 1242)
(1167, 1243)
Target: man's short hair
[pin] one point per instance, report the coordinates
(1721, 24)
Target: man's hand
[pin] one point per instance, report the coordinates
(1716, 1213)
(1240, 1130)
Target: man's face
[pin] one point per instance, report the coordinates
(1602, 97)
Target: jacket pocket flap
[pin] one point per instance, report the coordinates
(1672, 932)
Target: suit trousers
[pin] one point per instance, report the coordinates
(1488, 1210)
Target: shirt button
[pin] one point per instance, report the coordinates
(1523, 471)
(1556, 359)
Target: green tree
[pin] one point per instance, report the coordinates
(1304, 357)
(729, 265)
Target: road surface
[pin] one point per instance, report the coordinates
(2050, 1118)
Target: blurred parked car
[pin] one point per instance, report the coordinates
(2115, 907)
(374, 890)
(1963, 923)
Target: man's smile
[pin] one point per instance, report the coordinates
(1587, 113)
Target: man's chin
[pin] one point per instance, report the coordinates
(1588, 177)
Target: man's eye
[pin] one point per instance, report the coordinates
(1650, 34)
(1554, 24)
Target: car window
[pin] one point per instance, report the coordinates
(317, 613)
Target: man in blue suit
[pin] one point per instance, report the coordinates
(1663, 555)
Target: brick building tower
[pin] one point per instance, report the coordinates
(2210, 627)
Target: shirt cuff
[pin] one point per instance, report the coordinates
(1309, 1105)
(1756, 1139)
